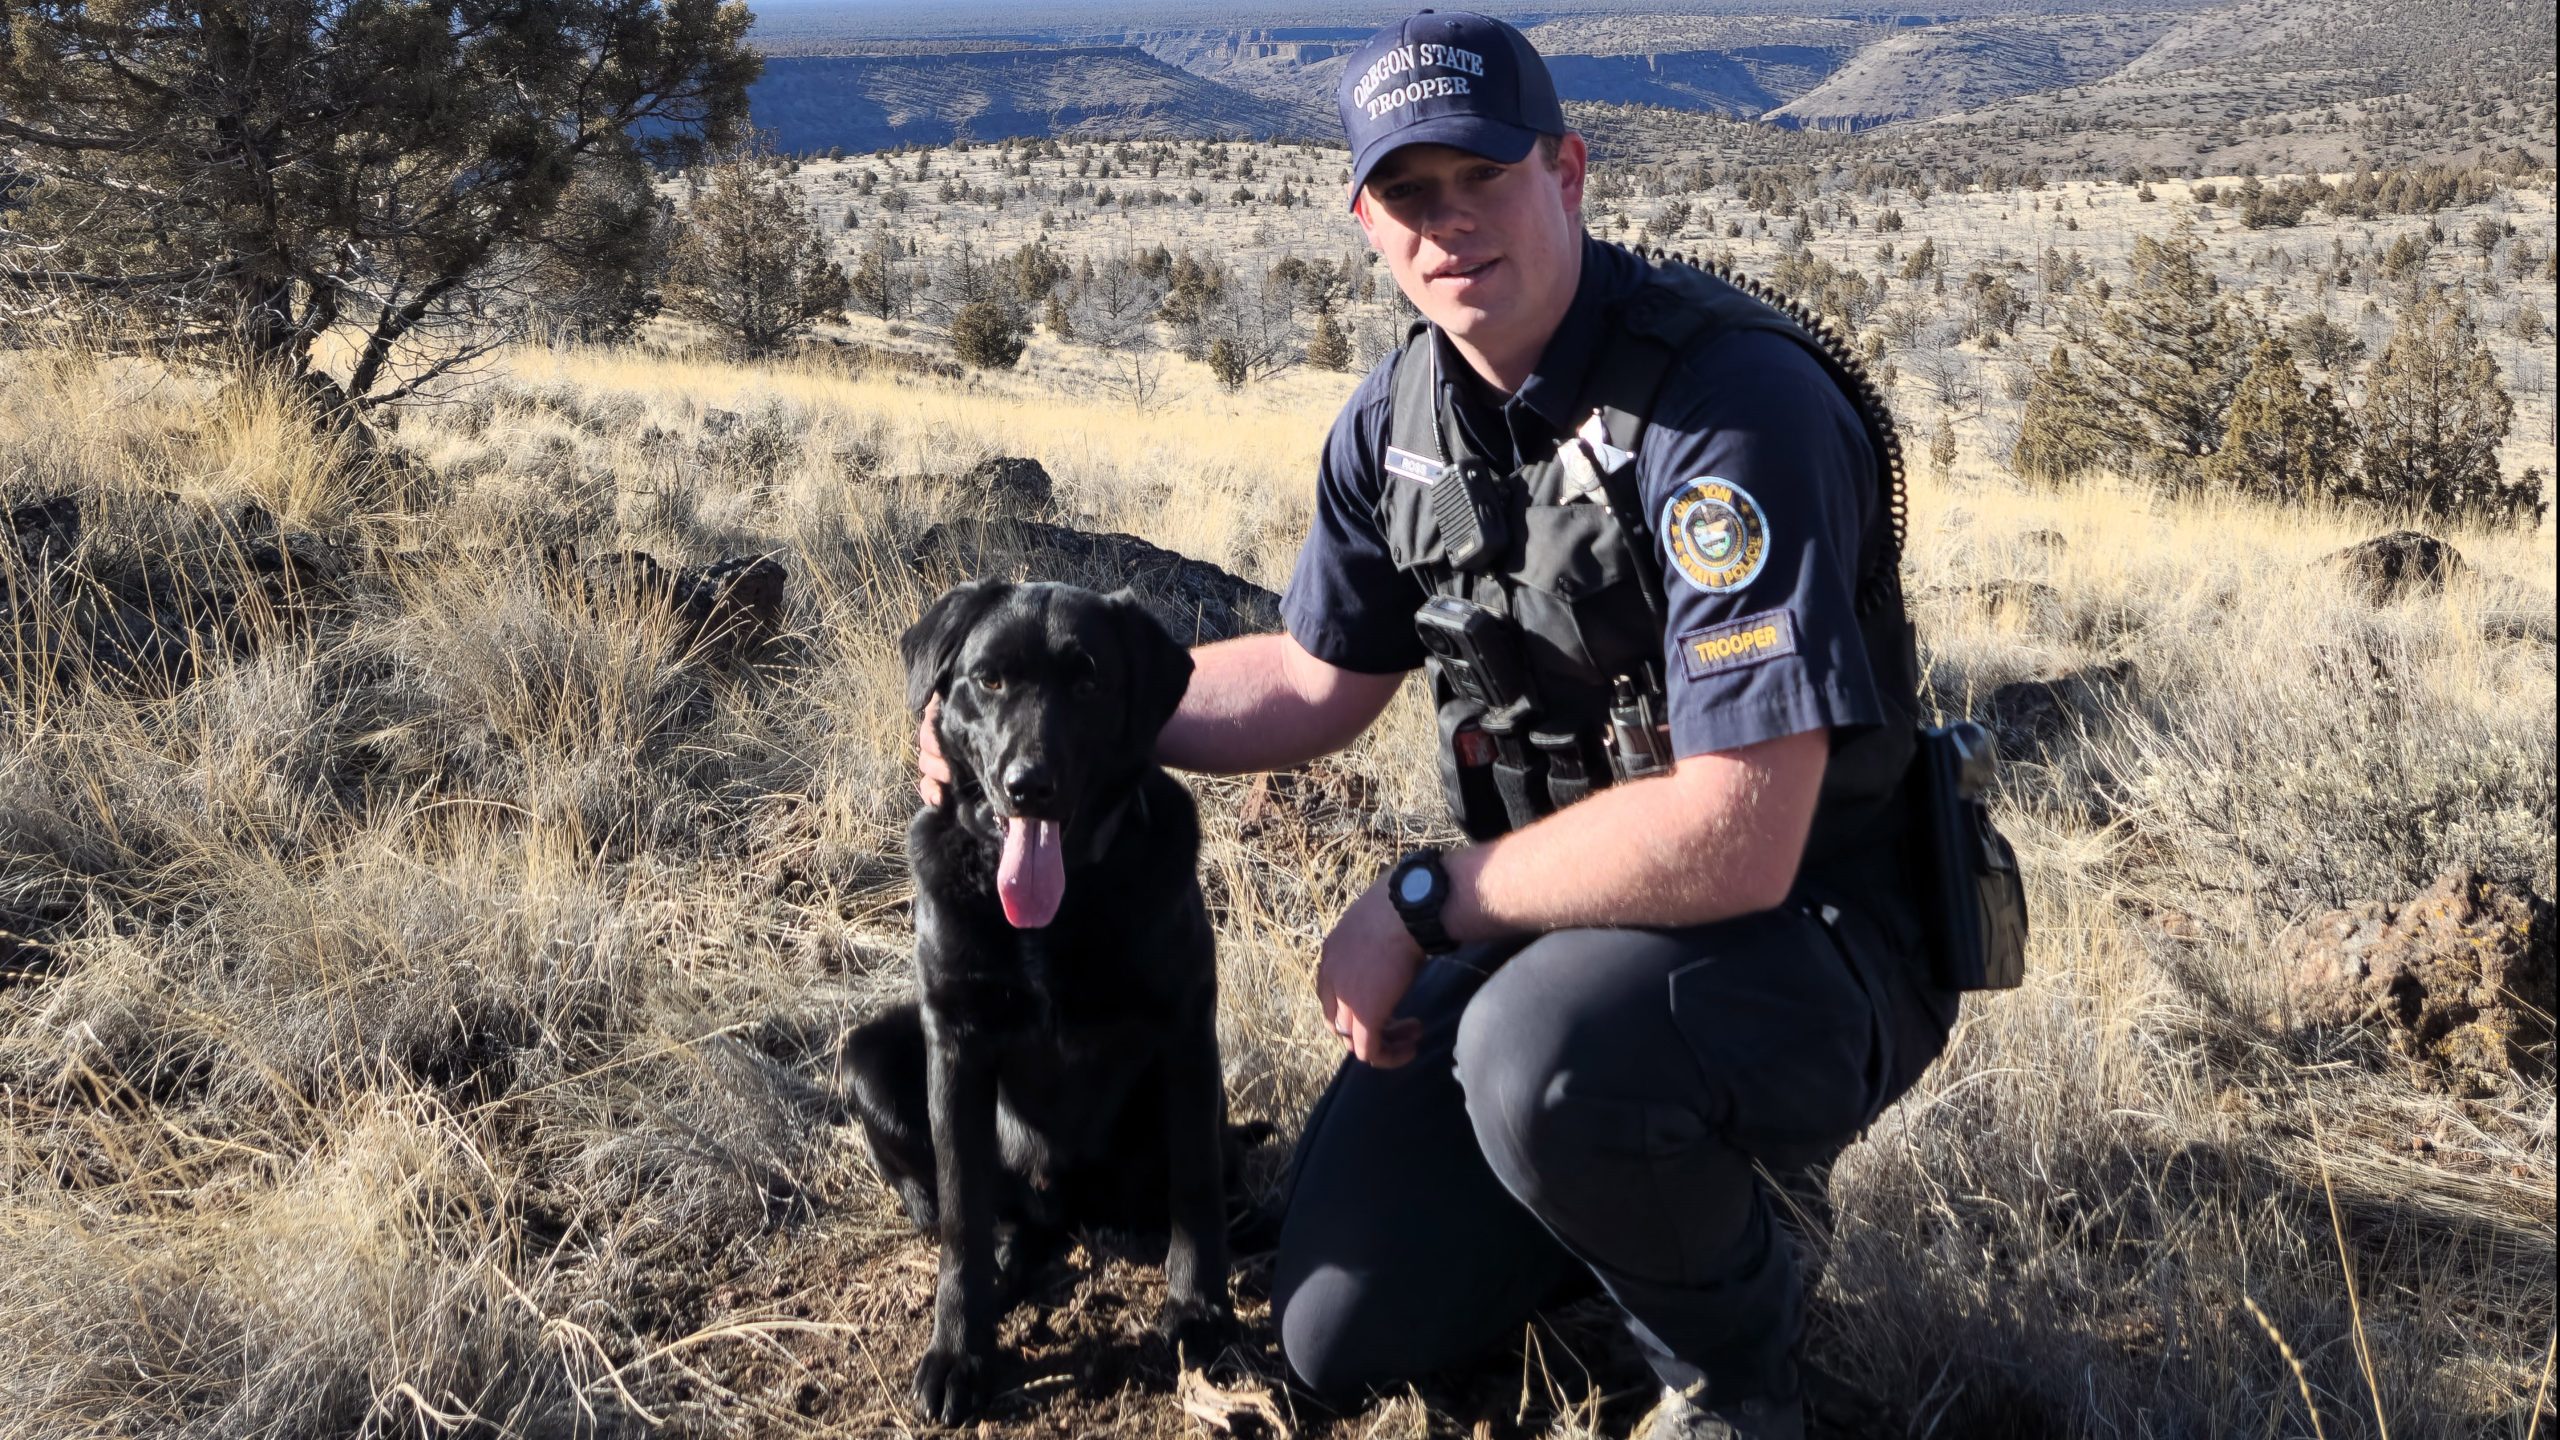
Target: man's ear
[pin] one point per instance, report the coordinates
(1159, 666)
(1573, 168)
(931, 646)
(1360, 212)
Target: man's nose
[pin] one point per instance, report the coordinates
(1445, 215)
(1028, 783)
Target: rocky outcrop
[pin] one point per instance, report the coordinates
(202, 582)
(212, 580)
(731, 603)
(2404, 562)
(2030, 717)
(1011, 485)
(2459, 978)
(1196, 601)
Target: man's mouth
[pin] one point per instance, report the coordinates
(1466, 270)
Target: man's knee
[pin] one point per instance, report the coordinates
(1572, 1073)
(1336, 1336)
(1594, 1109)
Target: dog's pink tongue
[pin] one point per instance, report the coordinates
(1031, 878)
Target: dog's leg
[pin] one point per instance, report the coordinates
(1196, 1313)
(951, 1381)
(884, 1068)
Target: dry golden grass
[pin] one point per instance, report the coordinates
(440, 1037)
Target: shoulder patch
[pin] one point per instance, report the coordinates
(1736, 644)
(1715, 534)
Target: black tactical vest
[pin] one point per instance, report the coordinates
(1580, 583)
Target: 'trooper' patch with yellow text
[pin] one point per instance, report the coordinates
(1737, 643)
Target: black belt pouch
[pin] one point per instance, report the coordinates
(1975, 901)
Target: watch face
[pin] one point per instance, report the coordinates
(1416, 886)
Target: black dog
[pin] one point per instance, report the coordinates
(1062, 1067)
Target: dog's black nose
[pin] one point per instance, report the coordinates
(1028, 784)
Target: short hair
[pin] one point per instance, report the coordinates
(1549, 148)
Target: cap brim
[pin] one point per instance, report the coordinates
(1475, 134)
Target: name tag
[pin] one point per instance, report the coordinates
(1414, 467)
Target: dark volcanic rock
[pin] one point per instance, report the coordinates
(1197, 601)
(2402, 562)
(1012, 484)
(739, 597)
(45, 530)
(2459, 978)
(735, 601)
(211, 581)
(2029, 717)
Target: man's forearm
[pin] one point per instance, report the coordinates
(1261, 702)
(1720, 837)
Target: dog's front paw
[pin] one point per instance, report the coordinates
(950, 1385)
(1198, 1326)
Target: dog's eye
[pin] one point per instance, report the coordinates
(988, 680)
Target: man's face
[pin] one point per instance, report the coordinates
(1488, 252)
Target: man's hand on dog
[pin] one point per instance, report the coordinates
(932, 771)
(1369, 961)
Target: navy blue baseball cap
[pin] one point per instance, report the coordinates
(1446, 77)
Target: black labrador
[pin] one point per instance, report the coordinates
(1061, 1066)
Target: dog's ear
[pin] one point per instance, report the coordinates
(931, 646)
(1159, 666)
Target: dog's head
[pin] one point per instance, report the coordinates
(1052, 697)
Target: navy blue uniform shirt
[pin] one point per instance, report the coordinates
(1749, 440)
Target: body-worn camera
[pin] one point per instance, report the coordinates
(1977, 902)
(1478, 653)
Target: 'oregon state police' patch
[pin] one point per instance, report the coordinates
(1716, 534)
(1737, 643)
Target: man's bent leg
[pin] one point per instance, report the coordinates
(1401, 1252)
(1623, 1083)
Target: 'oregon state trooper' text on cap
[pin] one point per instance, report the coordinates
(1446, 78)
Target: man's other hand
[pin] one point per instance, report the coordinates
(932, 771)
(1369, 961)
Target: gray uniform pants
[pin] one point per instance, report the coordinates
(1587, 1105)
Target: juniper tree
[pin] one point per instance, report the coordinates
(2284, 441)
(1330, 348)
(2161, 362)
(989, 334)
(247, 176)
(2056, 440)
(749, 259)
(2434, 416)
(881, 282)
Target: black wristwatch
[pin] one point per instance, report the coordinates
(1418, 886)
